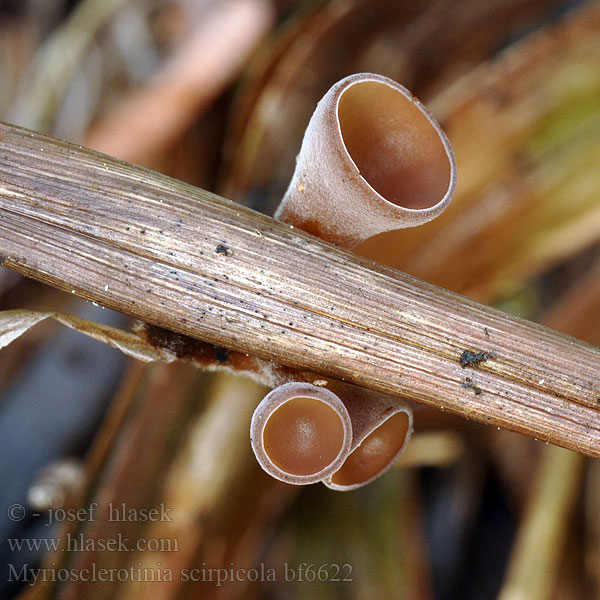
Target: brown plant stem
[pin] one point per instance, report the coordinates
(99, 458)
(168, 399)
(182, 258)
(540, 548)
(201, 475)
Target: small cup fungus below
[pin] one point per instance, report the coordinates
(300, 433)
(373, 159)
(379, 437)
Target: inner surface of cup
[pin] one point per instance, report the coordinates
(374, 453)
(397, 149)
(303, 436)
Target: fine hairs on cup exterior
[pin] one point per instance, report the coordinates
(373, 159)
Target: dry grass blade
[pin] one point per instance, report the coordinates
(57, 60)
(206, 62)
(187, 260)
(538, 550)
(14, 323)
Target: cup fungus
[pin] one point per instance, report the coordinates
(381, 429)
(373, 159)
(300, 433)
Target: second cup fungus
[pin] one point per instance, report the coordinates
(373, 159)
(381, 430)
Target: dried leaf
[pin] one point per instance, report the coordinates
(14, 323)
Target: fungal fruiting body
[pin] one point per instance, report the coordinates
(373, 159)
(301, 433)
(381, 429)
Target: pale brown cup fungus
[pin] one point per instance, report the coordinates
(300, 433)
(373, 159)
(381, 429)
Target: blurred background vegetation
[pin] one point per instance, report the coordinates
(218, 93)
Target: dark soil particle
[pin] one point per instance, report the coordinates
(469, 358)
(468, 383)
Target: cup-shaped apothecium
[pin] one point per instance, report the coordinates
(300, 433)
(381, 429)
(373, 159)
